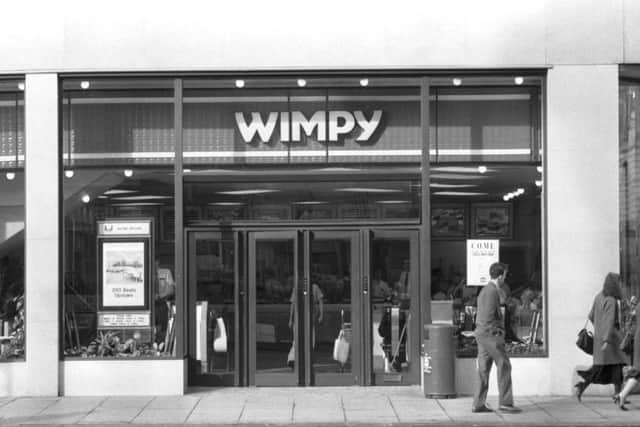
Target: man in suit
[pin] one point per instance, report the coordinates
(490, 334)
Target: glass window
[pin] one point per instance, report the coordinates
(119, 227)
(12, 220)
(629, 104)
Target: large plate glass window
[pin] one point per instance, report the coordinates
(118, 147)
(12, 216)
(486, 184)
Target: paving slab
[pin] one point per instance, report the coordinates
(174, 402)
(101, 415)
(151, 416)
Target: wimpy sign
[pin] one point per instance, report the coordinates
(294, 123)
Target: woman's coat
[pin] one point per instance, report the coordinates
(604, 316)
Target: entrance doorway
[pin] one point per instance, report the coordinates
(303, 307)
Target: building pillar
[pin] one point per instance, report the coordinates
(581, 180)
(42, 258)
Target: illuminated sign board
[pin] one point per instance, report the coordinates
(327, 125)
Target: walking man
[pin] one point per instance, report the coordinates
(490, 333)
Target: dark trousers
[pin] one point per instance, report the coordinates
(491, 349)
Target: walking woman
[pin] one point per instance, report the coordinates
(633, 374)
(608, 359)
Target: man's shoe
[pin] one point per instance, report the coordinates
(509, 409)
(483, 408)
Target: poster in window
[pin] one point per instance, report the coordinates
(123, 274)
(481, 253)
(492, 220)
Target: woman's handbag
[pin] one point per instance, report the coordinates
(585, 340)
(220, 337)
(626, 344)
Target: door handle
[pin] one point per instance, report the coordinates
(365, 285)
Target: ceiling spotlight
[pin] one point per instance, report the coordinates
(69, 173)
(85, 84)
(538, 183)
(128, 173)
(239, 83)
(519, 80)
(11, 176)
(364, 82)
(520, 191)
(482, 168)
(505, 198)
(186, 170)
(86, 198)
(457, 81)
(302, 82)
(539, 168)
(21, 86)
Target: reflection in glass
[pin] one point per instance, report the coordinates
(276, 312)
(390, 304)
(215, 316)
(331, 280)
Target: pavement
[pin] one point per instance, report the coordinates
(319, 406)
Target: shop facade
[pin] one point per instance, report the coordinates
(224, 228)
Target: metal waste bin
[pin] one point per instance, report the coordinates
(439, 361)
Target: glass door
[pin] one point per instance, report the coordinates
(391, 307)
(214, 317)
(334, 338)
(273, 276)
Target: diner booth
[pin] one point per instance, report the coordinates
(275, 231)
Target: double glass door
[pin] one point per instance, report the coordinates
(303, 307)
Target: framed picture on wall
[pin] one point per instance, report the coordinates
(448, 221)
(492, 220)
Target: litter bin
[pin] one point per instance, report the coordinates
(438, 362)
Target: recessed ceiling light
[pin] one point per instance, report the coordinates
(11, 176)
(505, 198)
(128, 173)
(539, 168)
(21, 86)
(364, 82)
(69, 173)
(538, 183)
(246, 192)
(518, 80)
(302, 82)
(439, 185)
(186, 170)
(367, 190)
(309, 202)
(482, 168)
(227, 204)
(239, 83)
(85, 84)
(116, 191)
(458, 193)
(86, 198)
(520, 191)
(458, 169)
(457, 81)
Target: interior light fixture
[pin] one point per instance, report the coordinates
(227, 203)
(538, 183)
(21, 86)
(117, 191)
(69, 173)
(186, 170)
(505, 198)
(302, 82)
(128, 173)
(519, 80)
(439, 185)
(367, 190)
(520, 191)
(246, 192)
(149, 197)
(458, 193)
(393, 202)
(239, 84)
(11, 176)
(86, 198)
(364, 82)
(457, 82)
(85, 84)
(458, 169)
(482, 168)
(309, 202)
(539, 168)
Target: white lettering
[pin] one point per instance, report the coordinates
(335, 128)
(265, 130)
(368, 126)
(284, 126)
(316, 121)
